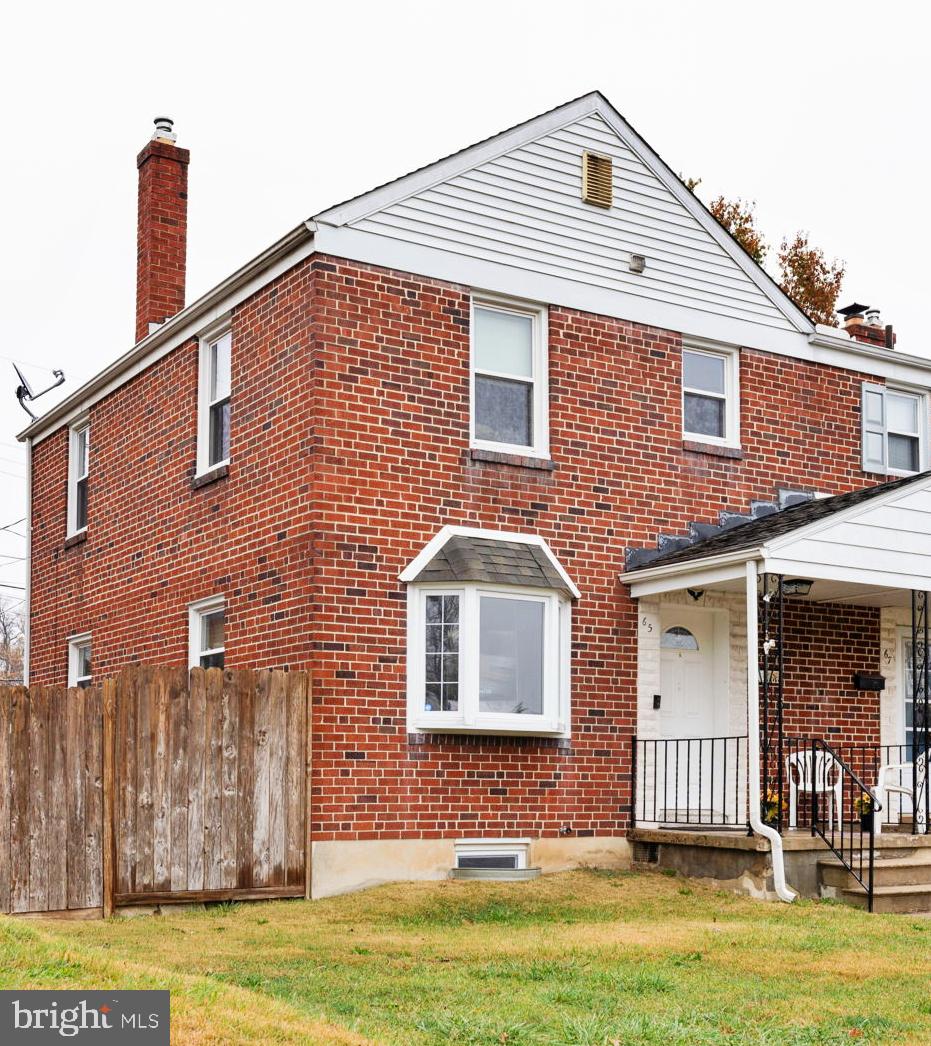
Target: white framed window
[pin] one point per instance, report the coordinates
(213, 421)
(509, 387)
(488, 658)
(894, 430)
(78, 469)
(207, 633)
(492, 853)
(711, 395)
(79, 660)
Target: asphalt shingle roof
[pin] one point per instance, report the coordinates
(495, 562)
(758, 531)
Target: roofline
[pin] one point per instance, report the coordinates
(423, 178)
(443, 535)
(171, 333)
(765, 550)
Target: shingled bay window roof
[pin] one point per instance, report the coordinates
(464, 555)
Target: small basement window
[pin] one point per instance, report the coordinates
(491, 855)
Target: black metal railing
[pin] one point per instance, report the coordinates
(689, 782)
(896, 762)
(843, 812)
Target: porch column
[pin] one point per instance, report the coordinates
(753, 740)
(921, 728)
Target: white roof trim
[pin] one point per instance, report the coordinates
(426, 554)
(188, 323)
(417, 181)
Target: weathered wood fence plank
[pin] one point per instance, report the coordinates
(160, 785)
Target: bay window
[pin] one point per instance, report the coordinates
(489, 658)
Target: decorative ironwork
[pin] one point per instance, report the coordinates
(690, 781)
(921, 725)
(843, 812)
(772, 676)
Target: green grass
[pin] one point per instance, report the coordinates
(582, 959)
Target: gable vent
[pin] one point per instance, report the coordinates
(597, 181)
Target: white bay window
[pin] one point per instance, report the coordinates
(488, 658)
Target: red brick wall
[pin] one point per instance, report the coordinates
(824, 645)
(154, 544)
(392, 355)
(349, 451)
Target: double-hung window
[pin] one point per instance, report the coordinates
(895, 430)
(207, 633)
(488, 658)
(79, 661)
(213, 444)
(710, 407)
(78, 468)
(509, 409)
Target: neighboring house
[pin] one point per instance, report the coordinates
(463, 447)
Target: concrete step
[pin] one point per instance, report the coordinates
(909, 869)
(891, 899)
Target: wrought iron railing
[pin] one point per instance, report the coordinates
(866, 761)
(689, 782)
(843, 811)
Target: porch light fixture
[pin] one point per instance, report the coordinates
(797, 586)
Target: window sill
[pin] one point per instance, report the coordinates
(205, 478)
(497, 457)
(76, 539)
(427, 729)
(714, 449)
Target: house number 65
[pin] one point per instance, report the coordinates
(646, 624)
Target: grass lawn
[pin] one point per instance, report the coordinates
(585, 959)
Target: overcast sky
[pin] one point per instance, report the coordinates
(818, 111)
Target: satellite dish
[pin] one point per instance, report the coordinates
(25, 392)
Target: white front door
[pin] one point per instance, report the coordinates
(686, 673)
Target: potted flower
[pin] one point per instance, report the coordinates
(770, 807)
(863, 805)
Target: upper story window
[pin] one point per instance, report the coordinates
(79, 661)
(78, 468)
(207, 633)
(710, 396)
(509, 388)
(895, 430)
(213, 442)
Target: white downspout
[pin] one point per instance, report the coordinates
(754, 797)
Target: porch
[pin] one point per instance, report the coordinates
(782, 730)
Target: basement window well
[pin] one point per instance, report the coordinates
(493, 859)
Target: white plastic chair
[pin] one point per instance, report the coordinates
(824, 779)
(892, 778)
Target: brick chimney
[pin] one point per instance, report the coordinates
(863, 323)
(161, 244)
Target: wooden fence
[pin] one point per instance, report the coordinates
(157, 786)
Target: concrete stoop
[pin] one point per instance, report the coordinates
(901, 883)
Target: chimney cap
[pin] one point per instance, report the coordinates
(855, 309)
(164, 129)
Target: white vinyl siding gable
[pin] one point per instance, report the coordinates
(894, 430)
(525, 209)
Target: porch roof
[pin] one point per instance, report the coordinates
(878, 537)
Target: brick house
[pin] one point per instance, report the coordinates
(520, 455)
